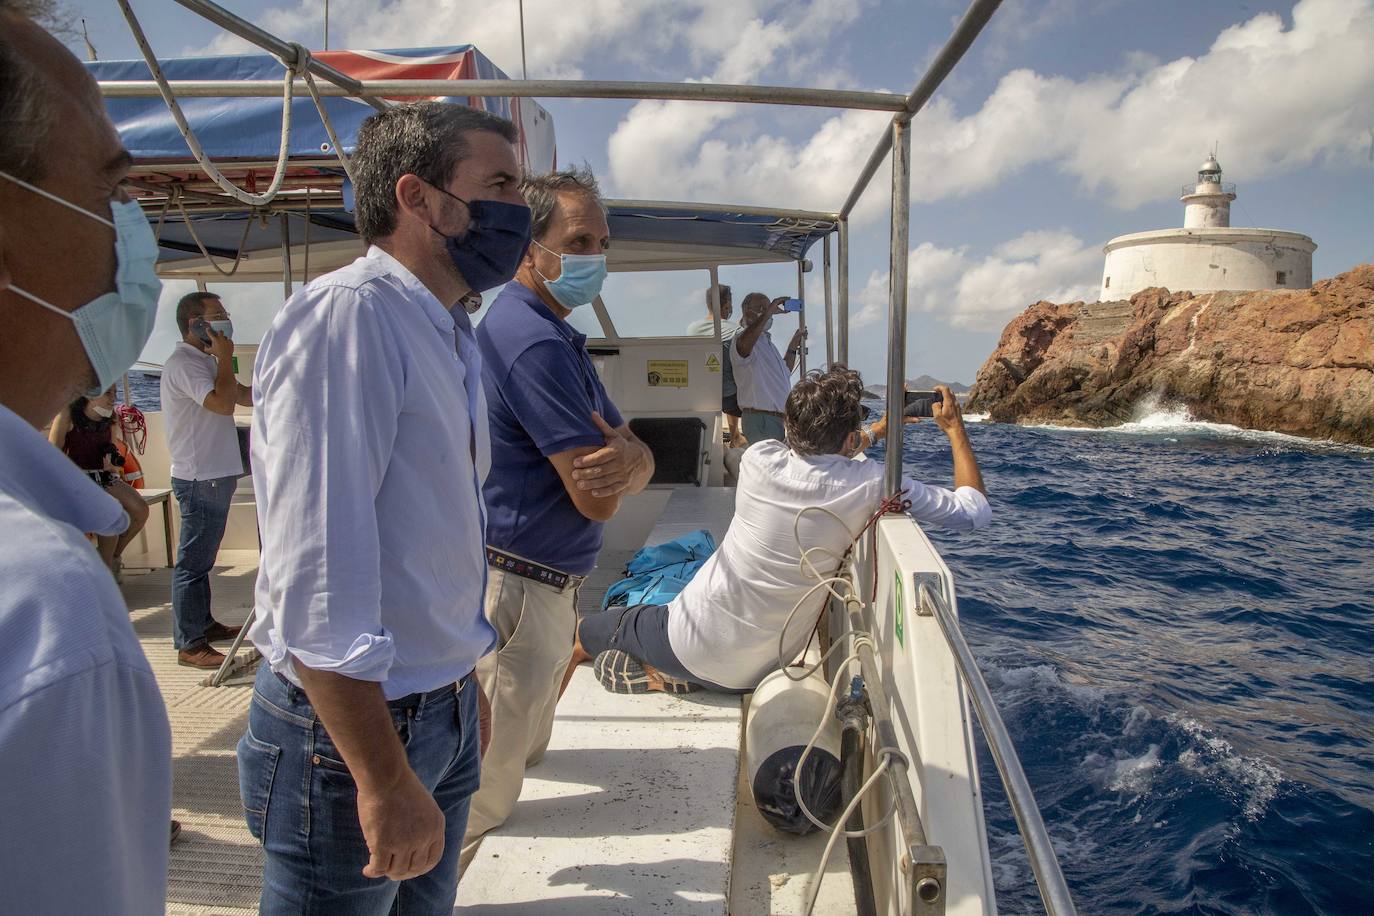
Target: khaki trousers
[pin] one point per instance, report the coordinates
(536, 626)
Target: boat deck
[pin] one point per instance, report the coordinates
(639, 806)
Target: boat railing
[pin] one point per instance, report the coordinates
(922, 865)
(1049, 877)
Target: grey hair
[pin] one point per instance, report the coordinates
(541, 193)
(427, 139)
(27, 113)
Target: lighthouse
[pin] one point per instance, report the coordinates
(1207, 254)
(1207, 204)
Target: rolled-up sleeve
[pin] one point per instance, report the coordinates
(961, 509)
(330, 392)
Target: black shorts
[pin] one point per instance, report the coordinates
(730, 404)
(641, 631)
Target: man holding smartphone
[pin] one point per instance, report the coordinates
(199, 394)
(762, 374)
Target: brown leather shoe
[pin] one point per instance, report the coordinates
(219, 631)
(200, 656)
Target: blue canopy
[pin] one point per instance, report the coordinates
(242, 136)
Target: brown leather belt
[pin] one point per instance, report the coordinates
(772, 413)
(535, 572)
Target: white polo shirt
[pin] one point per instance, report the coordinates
(762, 377)
(204, 444)
(724, 626)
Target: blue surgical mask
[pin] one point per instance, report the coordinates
(114, 327)
(580, 279)
(490, 252)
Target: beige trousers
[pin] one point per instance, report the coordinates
(536, 626)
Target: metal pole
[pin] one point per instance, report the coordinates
(286, 254)
(801, 316)
(524, 72)
(842, 331)
(977, 16)
(326, 25)
(1054, 891)
(715, 309)
(374, 90)
(829, 310)
(244, 29)
(655, 206)
(896, 313)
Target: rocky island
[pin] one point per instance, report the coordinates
(1299, 362)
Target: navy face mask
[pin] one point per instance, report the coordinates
(489, 253)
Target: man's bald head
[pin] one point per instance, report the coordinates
(41, 85)
(48, 250)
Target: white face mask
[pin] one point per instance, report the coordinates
(103, 412)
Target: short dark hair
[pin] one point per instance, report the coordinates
(191, 305)
(541, 193)
(822, 410)
(725, 296)
(426, 139)
(27, 110)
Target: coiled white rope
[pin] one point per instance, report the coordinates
(233, 190)
(858, 640)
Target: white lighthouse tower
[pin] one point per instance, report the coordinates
(1207, 204)
(1207, 255)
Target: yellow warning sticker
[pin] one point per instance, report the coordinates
(712, 363)
(667, 373)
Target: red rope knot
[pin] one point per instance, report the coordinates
(133, 426)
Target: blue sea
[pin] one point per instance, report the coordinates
(1177, 622)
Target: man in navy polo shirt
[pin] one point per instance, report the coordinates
(562, 459)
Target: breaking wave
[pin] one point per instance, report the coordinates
(1176, 619)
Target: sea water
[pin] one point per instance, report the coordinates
(1177, 622)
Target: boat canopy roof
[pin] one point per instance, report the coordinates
(241, 135)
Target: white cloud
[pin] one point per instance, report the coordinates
(983, 294)
(1276, 98)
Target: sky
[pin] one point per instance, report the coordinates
(1068, 123)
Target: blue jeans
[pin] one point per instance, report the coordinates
(204, 506)
(301, 802)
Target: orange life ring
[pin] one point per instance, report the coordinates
(132, 472)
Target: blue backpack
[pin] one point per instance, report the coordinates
(656, 574)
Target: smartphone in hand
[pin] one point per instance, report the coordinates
(920, 403)
(792, 305)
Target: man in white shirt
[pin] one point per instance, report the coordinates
(199, 394)
(763, 375)
(722, 630)
(370, 446)
(729, 389)
(85, 750)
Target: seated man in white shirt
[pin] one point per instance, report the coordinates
(722, 631)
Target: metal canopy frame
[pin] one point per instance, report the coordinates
(895, 140)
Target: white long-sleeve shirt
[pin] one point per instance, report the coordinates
(724, 625)
(370, 446)
(85, 749)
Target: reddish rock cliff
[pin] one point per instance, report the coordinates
(1299, 362)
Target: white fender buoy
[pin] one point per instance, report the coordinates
(783, 715)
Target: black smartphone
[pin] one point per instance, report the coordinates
(201, 328)
(919, 403)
